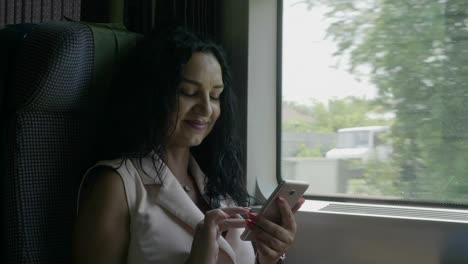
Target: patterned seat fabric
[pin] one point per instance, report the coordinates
(57, 78)
(48, 143)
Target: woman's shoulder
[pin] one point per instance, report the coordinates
(107, 178)
(112, 163)
(120, 166)
(107, 174)
(100, 182)
(133, 171)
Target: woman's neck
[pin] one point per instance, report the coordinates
(178, 161)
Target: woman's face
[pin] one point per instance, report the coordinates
(198, 100)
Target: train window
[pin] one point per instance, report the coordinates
(374, 98)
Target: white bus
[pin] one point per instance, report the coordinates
(361, 143)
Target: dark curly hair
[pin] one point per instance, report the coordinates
(145, 94)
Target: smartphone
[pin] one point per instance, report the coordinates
(290, 190)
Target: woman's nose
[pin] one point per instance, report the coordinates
(204, 106)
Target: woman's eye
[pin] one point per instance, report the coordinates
(214, 97)
(187, 93)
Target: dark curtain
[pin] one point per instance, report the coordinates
(34, 11)
(200, 16)
(98, 11)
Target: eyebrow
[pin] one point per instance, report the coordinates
(199, 84)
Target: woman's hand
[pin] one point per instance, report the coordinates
(205, 246)
(274, 240)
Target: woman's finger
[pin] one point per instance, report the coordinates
(232, 211)
(298, 205)
(267, 252)
(226, 224)
(287, 217)
(238, 216)
(225, 218)
(214, 216)
(271, 241)
(273, 229)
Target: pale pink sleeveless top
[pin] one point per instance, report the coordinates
(163, 217)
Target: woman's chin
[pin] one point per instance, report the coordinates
(186, 140)
(196, 141)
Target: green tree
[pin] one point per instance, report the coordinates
(304, 151)
(338, 113)
(296, 117)
(298, 125)
(418, 56)
(341, 113)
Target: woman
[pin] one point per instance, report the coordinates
(173, 192)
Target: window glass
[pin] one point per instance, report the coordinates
(353, 139)
(375, 98)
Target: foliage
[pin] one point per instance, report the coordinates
(298, 125)
(305, 151)
(300, 108)
(418, 58)
(342, 113)
(338, 113)
(380, 178)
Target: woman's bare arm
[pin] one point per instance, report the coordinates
(101, 232)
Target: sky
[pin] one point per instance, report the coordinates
(309, 68)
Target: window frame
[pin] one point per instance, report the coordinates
(388, 237)
(263, 184)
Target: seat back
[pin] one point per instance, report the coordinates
(49, 135)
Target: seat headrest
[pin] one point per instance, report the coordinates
(54, 68)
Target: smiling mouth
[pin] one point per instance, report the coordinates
(198, 125)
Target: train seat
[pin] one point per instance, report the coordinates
(56, 73)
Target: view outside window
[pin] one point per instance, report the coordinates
(375, 98)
